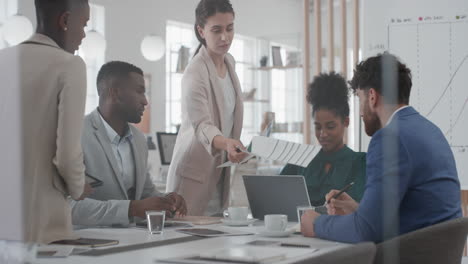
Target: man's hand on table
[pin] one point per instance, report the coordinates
(342, 205)
(307, 223)
(179, 203)
(139, 207)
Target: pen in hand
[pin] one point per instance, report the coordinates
(238, 150)
(340, 192)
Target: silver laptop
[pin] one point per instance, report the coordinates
(276, 195)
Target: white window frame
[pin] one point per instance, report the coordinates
(97, 23)
(287, 98)
(173, 43)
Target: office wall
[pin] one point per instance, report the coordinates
(127, 22)
(431, 38)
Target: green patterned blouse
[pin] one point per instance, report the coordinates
(346, 166)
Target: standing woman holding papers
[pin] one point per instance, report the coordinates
(336, 165)
(212, 115)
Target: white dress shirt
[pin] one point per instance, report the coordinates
(215, 204)
(123, 153)
(229, 103)
(394, 113)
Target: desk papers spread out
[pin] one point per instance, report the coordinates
(280, 150)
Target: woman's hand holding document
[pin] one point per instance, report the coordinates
(279, 150)
(244, 160)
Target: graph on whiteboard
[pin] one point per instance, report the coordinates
(436, 50)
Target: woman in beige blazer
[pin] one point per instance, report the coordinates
(52, 85)
(212, 115)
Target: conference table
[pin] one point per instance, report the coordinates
(137, 245)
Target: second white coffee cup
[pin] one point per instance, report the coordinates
(237, 213)
(276, 222)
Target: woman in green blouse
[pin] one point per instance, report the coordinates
(336, 164)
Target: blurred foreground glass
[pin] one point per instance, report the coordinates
(301, 210)
(15, 252)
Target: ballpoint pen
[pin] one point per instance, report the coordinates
(340, 192)
(238, 149)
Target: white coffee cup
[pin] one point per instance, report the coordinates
(276, 222)
(236, 213)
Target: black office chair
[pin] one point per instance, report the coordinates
(440, 243)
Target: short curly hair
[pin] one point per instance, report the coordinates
(114, 69)
(329, 91)
(375, 72)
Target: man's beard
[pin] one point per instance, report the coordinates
(134, 119)
(371, 121)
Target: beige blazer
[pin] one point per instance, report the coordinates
(53, 94)
(193, 173)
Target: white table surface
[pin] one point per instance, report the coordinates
(130, 236)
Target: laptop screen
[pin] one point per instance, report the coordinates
(276, 195)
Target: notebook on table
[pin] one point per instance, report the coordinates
(87, 242)
(205, 232)
(198, 220)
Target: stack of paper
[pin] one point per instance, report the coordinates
(284, 151)
(280, 150)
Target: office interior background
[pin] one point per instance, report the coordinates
(279, 46)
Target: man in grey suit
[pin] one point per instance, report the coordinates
(116, 153)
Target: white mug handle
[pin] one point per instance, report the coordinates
(226, 214)
(284, 223)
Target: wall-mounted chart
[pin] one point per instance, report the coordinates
(433, 42)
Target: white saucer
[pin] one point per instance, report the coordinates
(230, 222)
(267, 233)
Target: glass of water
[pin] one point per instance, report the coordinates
(301, 211)
(155, 221)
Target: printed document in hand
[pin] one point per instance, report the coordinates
(280, 150)
(285, 151)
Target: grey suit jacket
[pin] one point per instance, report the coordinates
(108, 205)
